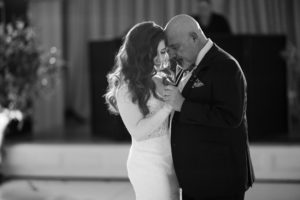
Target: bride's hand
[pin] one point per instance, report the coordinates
(160, 87)
(173, 96)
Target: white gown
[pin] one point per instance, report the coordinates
(149, 165)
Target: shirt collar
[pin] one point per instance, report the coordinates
(203, 51)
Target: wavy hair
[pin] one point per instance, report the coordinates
(134, 65)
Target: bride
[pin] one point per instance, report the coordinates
(135, 92)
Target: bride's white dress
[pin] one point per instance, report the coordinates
(149, 165)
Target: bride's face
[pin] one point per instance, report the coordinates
(161, 60)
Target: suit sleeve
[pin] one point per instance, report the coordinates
(228, 104)
(138, 126)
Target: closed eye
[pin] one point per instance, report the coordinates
(173, 47)
(163, 51)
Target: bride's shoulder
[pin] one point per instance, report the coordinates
(122, 90)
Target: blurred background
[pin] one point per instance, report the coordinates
(58, 140)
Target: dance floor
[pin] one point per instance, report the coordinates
(119, 190)
(98, 172)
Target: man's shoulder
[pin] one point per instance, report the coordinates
(224, 60)
(223, 55)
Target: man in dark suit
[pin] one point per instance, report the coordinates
(211, 23)
(209, 136)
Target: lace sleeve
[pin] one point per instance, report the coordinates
(139, 126)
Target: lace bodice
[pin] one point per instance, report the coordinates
(153, 125)
(154, 106)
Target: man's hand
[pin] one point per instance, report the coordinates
(173, 97)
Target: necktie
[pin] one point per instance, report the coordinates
(179, 76)
(182, 72)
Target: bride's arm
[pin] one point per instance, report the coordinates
(139, 126)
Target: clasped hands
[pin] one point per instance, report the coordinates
(173, 97)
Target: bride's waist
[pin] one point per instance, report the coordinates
(159, 145)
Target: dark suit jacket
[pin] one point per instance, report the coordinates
(209, 136)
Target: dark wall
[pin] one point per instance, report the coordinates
(259, 57)
(15, 9)
(104, 124)
(265, 70)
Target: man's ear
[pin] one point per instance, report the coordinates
(194, 35)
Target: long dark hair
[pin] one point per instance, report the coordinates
(134, 65)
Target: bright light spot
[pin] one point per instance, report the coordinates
(44, 82)
(53, 50)
(52, 60)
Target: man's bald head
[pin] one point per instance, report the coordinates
(185, 39)
(183, 24)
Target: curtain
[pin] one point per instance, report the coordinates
(261, 16)
(45, 16)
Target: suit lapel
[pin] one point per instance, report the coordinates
(202, 65)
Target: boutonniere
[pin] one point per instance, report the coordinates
(197, 83)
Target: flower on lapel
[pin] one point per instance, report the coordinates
(197, 83)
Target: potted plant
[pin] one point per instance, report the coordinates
(26, 71)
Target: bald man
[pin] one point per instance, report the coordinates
(209, 126)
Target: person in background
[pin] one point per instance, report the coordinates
(211, 22)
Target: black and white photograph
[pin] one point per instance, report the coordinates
(149, 99)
